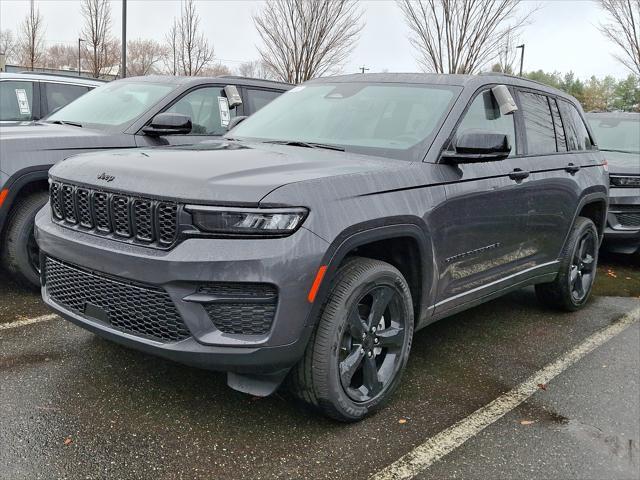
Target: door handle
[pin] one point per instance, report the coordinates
(571, 168)
(518, 174)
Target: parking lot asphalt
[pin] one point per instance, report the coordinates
(76, 406)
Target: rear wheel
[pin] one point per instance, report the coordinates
(360, 347)
(20, 253)
(571, 289)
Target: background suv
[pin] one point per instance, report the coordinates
(133, 112)
(618, 135)
(25, 97)
(326, 228)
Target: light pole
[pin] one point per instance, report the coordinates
(521, 57)
(124, 38)
(363, 69)
(80, 40)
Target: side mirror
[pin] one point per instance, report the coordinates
(168, 124)
(474, 147)
(233, 97)
(236, 120)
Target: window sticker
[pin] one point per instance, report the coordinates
(23, 101)
(223, 106)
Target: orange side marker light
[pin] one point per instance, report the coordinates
(316, 283)
(3, 195)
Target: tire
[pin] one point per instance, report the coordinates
(19, 241)
(328, 375)
(561, 293)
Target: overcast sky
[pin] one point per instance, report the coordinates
(563, 35)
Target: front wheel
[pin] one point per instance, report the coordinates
(20, 253)
(360, 347)
(571, 289)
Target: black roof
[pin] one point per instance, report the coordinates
(467, 81)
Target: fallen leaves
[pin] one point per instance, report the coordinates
(611, 273)
(542, 386)
(527, 422)
(402, 421)
(68, 441)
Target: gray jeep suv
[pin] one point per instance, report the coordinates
(126, 113)
(313, 241)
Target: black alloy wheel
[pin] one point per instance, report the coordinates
(371, 347)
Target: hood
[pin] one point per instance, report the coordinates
(47, 143)
(48, 136)
(623, 163)
(212, 172)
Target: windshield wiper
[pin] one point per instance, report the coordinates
(298, 143)
(617, 150)
(65, 122)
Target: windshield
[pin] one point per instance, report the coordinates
(111, 105)
(384, 119)
(614, 133)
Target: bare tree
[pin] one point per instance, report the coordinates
(171, 41)
(31, 41)
(194, 51)
(61, 57)
(97, 35)
(506, 56)
(461, 36)
(215, 70)
(304, 39)
(8, 46)
(623, 29)
(143, 57)
(255, 69)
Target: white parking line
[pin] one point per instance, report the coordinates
(436, 447)
(28, 321)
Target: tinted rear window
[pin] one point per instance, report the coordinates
(538, 123)
(60, 94)
(577, 134)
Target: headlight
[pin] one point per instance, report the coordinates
(247, 221)
(620, 181)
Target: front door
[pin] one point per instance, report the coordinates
(481, 229)
(209, 112)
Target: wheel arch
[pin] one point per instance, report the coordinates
(22, 183)
(369, 239)
(593, 206)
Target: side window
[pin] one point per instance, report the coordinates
(561, 141)
(59, 94)
(484, 115)
(538, 123)
(16, 101)
(205, 107)
(577, 134)
(257, 99)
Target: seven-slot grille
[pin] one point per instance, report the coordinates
(127, 218)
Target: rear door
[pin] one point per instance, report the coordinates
(256, 98)
(54, 96)
(481, 228)
(557, 147)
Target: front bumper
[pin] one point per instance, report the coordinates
(288, 263)
(622, 234)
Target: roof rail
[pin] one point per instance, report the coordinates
(240, 77)
(518, 77)
(63, 75)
